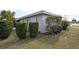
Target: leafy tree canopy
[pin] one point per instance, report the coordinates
(7, 14)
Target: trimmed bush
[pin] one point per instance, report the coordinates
(5, 29)
(65, 25)
(21, 30)
(33, 29)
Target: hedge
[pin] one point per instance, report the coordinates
(21, 30)
(5, 29)
(33, 29)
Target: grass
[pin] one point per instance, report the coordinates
(66, 39)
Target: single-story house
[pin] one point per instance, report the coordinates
(39, 17)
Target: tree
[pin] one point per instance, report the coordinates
(7, 15)
(52, 21)
(49, 22)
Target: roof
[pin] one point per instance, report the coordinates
(37, 13)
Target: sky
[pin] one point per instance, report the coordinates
(69, 8)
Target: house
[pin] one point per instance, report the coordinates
(39, 17)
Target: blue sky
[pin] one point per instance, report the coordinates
(19, 13)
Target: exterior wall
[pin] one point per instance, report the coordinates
(44, 22)
(41, 19)
(31, 19)
(23, 21)
(28, 20)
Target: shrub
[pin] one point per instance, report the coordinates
(5, 29)
(21, 30)
(55, 29)
(65, 25)
(59, 29)
(33, 29)
(53, 24)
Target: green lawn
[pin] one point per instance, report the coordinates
(67, 39)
